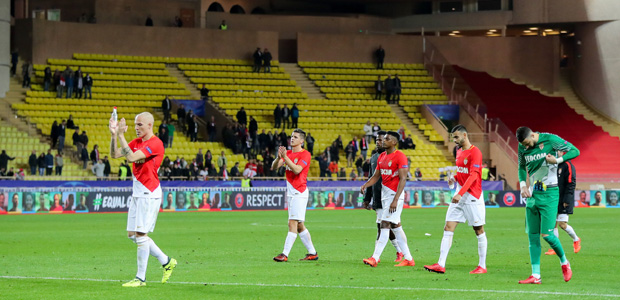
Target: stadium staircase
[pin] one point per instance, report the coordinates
(517, 105)
(303, 81)
(344, 82)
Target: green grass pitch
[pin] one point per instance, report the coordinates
(228, 255)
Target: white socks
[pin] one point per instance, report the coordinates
(395, 243)
(482, 250)
(401, 238)
(288, 244)
(157, 253)
(381, 242)
(143, 256)
(446, 243)
(571, 232)
(305, 238)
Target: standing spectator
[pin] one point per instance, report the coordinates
(178, 22)
(94, 155)
(338, 142)
(212, 129)
(363, 148)
(356, 148)
(378, 88)
(77, 141)
(277, 116)
(258, 59)
(32, 162)
(389, 88)
(397, 89)
(14, 59)
(285, 115)
(84, 139)
(223, 25)
(294, 115)
(189, 120)
(267, 61)
(418, 174)
(334, 152)
(88, 85)
(47, 78)
(60, 87)
(41, 164)
(194, 134)
(61, 135)
(79, 84)
(163, 136)
(348, 150)
(221, 160)
(149, 21)
(310, 143)
(208, 159)
(204, 92)
(49, 163)
(70, 123)
(26, 72)
(171, 130)
(380, 56)
(54, 133)
(4, 160)
(161, 127)
(70, 84)
(242, 118)
(263, 140)
(181, 117)
(107, 168)
(323, 165)
(366, 168)
(84, 158)
(368, 131)
(358, 165)
(166, 105)
(375, 130)
(98, 168)
(253, 129)
(401, 139)
(200, 158)
(59, 163)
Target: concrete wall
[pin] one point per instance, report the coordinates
(504, 165)
(445, 22)
(534, 60)
(61, 40)
(597, 62)
(558, 11)
(70, 11)
(358, 48)
(134, 12)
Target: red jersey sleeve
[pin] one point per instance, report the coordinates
(402, 161)
(476, 164)
(304, 160)
(152, 147)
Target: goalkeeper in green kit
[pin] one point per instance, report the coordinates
(537, 159)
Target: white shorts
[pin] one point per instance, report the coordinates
(466, 210)
(562, 218)
(297, 206)
(142, 214)
(379, 212)
(386, 201)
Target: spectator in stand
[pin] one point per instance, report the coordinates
(323, 165)
(79, 86)
(54, 133)
(277, 116)
(358, 165)
(26, 72)
(47, 78)
(418, 174)
(84, 158)
(20, 175)
(208, 159)
(11, 174)
(334, 152)
(366, 168)
(401, 139)
(348, 150)
(181, 118)
(70, 124)
(84, 139)
(223, 173)
(352, 175)
(32, 162)
(310, 143)
(375, 130)
(88, 85)
(223, 25)
(163, 136)
(253, 129)
(149, 21)
(204, 92)
(189, 120)
(294, 115)
(171, 130)
(263, 140)
(267, 61)
(409, 143)
(258, 59)
(14, 60)
(69, 81)
(389, 88)
(380, 56)
(222, 160)
(397, 89)
(60, 87)
(378, 88)
(286, 113)
(59, 163)
(250, 169)
(49, 163)
(234, 171)
(242, 118)
(41, 164)
(342, 174)
(94, 155)
(107, 168)
(4, 160)
(333, 168)
(98, 168)
(339, 143)
(203, 174)
(363, 145)
(368, 133)
(161, 128)
(166, 106)
(77, 141)
(61, 135)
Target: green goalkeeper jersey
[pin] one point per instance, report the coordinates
(532, 161)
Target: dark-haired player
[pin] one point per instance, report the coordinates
(297, 161)
(392, 167)
(537, 159)
(467, 202)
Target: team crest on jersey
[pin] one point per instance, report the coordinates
(541, 146)
(465, 161)
(390, 163)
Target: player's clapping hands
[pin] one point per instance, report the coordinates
(122, 126)
(281, 152)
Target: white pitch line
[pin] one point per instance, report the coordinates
(333, 287)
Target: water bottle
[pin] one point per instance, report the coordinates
(114, 114)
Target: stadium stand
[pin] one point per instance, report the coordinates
(547, 114)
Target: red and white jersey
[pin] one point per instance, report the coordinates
(145, 179)
(388, 165)
(296, 183)
(469, 163)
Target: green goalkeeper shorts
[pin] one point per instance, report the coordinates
(541, 211)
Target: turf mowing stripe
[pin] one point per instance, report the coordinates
(330, 286)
